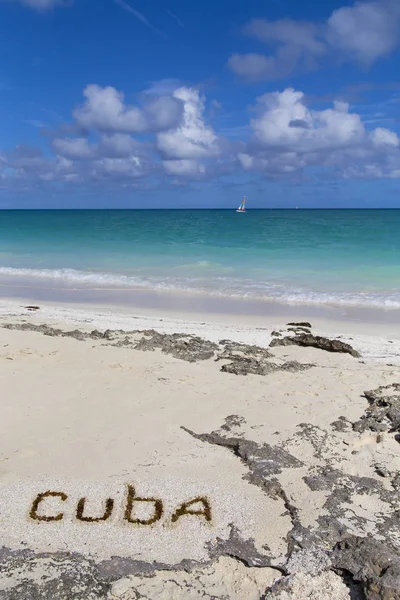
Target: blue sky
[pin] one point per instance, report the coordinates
(176, 103)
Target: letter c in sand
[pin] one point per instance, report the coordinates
(39, 498)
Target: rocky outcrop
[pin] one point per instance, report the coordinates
(349, 566)
(316, 341)
(371, 563)
(383, 413)
(184, 347)
(251, 366)
(244, 359)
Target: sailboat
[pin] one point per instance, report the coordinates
(242, 206)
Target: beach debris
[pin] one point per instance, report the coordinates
(383, 413)
(316, 341)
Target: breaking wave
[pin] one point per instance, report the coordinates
(214, 286)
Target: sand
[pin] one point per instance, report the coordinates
(241, 486)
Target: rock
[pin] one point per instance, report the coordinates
(292, 366)
(301, 324)
(232, 421)
(226, 578)
(186, 347)
(76, 335)
(262, 460)
(302, 586)
(32, 307)
(236, 350)
(382, 471)
(299, 330)
(383, 413)
(251, 366)
(316, 341)
(276, 333)
(374, 564)
(341, 424)
(44, 329)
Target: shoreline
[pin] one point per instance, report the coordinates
(355, 307)
(192, 306)
(376, 341)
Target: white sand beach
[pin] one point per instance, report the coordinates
(198, 482)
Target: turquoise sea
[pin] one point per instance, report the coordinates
(345, 257)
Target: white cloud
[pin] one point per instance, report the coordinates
(117, 145)
(76, 148)
(192, 139)
(302, 34)
(184, 167)
(283, 138)
(363, 32)
(105, 110)
(121, 167)
(287, 137)
(384, 137)
(114, 145)
(285, 121)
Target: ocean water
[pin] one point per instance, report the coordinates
(331, 257)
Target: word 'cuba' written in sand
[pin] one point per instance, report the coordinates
(49, 507)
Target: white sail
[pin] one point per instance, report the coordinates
(241, 207)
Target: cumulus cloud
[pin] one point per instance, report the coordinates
(120, 167)
(287, 137)
(192, 139)
(285, 121)
(284, 138)
(104, 109)
(363, 33)
(184, 167)
(75, 148)
(384, 137)
(117, 145)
